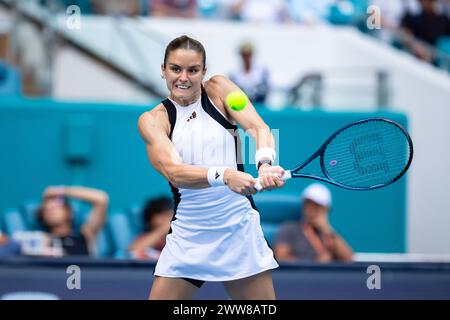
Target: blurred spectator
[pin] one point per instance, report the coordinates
(446, 8)
(313, 238)
(251, 78)
(8, 247)
(427, 26)
(216, 9)
(261, 11)
(31, 51)
(117, 7)
(173, 8)
(55, 217)
(156, 215)
(391, 13)
(309, 12)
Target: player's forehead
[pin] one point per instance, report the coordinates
(185, 58)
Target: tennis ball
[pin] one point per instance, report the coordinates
(237, 100)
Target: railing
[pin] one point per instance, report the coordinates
(359, 87)
(132, 63)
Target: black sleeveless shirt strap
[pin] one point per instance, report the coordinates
(172, 113)
(214, 113)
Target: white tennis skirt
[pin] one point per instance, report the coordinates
(224, 254)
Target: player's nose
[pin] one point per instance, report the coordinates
(183, 76)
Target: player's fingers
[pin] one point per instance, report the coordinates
(279, 182)
(270, 182)
(265, 181)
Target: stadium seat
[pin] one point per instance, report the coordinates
(270, 230)
(275, 209)
(135, 214)
(103, 246)
(121, 233)
(12, 221)
(29, 211)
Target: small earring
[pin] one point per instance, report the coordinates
(162, 77)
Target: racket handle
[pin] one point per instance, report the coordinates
(286, 176)
(258, 186)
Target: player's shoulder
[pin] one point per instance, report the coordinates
(218, 85)
(155, 118)
(217, 80)
(157, 113)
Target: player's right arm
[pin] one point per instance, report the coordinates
(154, 128)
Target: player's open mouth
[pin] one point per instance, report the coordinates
(182, 87)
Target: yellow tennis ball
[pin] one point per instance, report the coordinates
(237, 100)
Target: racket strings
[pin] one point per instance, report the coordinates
(367, 154)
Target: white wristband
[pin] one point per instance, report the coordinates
(265, 152)
(215, 176)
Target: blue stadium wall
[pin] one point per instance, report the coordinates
(46, 142)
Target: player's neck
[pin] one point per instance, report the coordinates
(185, 102)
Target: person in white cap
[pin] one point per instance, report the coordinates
(313, 238)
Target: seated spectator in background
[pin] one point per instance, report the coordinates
(116, 7)
(253, 79)
(391, 13)
(8, 247)
(55, 216)
(313, 238)
(267, 11)
(157, 215)
(173, 8)
(428, 26)
(309, 12)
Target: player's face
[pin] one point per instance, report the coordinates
(184, 72)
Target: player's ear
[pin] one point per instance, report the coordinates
(204, 71)
(163, 71)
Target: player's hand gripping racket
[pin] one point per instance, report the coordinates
(364, 155)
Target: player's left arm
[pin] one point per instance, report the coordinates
(218, 87)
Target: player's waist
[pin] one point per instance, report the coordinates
(199, 222)
(211, 207)
(210, 197)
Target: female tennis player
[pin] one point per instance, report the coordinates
(191, 139)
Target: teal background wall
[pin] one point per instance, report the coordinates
(44, 142)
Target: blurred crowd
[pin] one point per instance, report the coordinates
(57, 233)
(421, 27)
(277, 11)
(413, 25)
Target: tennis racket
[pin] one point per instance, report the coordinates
(364, 155)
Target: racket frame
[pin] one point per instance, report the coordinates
(320, 152)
